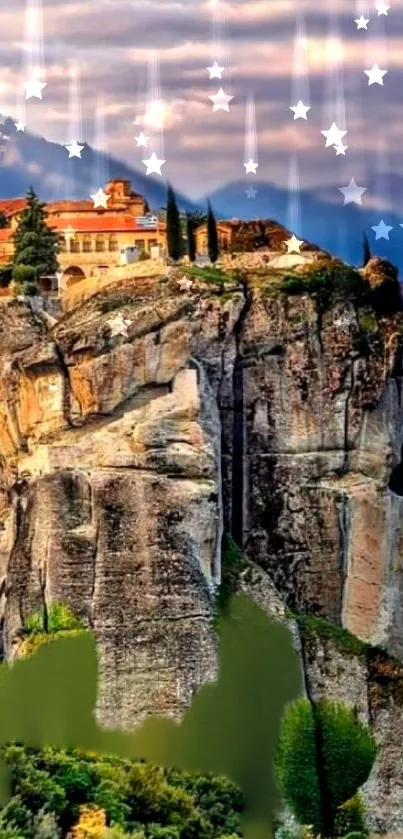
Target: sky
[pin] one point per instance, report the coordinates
(121, 46)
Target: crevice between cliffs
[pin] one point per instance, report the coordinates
(238, 434)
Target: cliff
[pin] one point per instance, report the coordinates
(258, 404)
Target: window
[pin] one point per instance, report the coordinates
(152, 243)
(99, 244)
(74, 245)
(63, 246)
(140, 244)
(87, 244)
(113, 243)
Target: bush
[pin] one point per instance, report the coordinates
(29, 289)
(24, 274)
(350, 818)
(328, 283)
(323, 742)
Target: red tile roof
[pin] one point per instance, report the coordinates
(12, 205)
(100, 224)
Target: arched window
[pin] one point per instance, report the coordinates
(99, 243)
(87, 244)
(113, 243)
(74, 245)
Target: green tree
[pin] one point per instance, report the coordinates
(212, 235)
(174, 234)
(324, 755)
(366, 250)
(3, 220)
(36, 245)
(190, 236)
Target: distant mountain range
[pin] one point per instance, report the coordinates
(28, 159)
(325, 221)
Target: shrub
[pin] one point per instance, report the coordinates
(24, 274)
(329, 282)
(323, 751)
(350, 818)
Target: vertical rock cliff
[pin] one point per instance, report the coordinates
(245, 406)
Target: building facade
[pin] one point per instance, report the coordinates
(92, 239)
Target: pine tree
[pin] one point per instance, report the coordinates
(174, 234)
(190, 235)
(35, 244)
(212, 236)
(367, 251)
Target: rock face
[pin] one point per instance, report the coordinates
(146, 423)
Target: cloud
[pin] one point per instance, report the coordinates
(204, 149)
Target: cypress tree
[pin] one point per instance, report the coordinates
(190, 235)
(174, 234)
(35, 244)
(367, 251)
(212, 236)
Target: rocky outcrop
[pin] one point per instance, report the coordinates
(147, 422)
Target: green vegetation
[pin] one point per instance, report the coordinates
(35, 246)
(212, 235)
(135, 797)
(324, 755)
(217, 735)
(174, 230)
(3, 220)
(232, 563)
(45, 625)
(208, 275)
(345, 641)
(328, 284)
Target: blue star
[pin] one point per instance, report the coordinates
(382, 230)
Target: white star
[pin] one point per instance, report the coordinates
(333, 135)
(74, 149)
(381, 7)
(294, 244)
(20, 126)
(220, 101)
(381, 230)
(185, 284)
(352, 192)
(340, 149)
(362, 22)
(250, 192)
(69, 233)
(375, 76)
(141, 139)
(153, 164)
(118, 325)
(250, 166)
(300, 110)
(33, 88)
(100, 198)
(215, 71)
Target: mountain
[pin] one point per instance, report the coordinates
(29, 159)
(324, 218)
